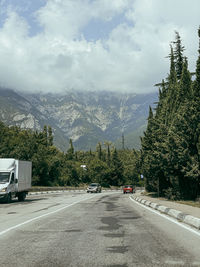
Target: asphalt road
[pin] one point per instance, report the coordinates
(79, 229)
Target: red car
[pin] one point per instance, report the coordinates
(128, 189)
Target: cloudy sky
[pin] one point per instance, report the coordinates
(117, 45)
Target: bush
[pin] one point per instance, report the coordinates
(171, 194)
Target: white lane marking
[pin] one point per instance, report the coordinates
(168, 218)
(46, 214)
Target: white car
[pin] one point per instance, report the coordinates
(94, 188)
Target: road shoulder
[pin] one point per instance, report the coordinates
(183, 213)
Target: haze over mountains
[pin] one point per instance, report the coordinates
(85, 117)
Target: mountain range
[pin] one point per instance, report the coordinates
(85, 117)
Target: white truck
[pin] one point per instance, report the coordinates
(15, 179)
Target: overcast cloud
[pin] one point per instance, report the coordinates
(119, 45)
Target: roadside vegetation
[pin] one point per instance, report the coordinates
(51, 167)
(170, 154)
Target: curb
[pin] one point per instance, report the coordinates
(180, 216)
(63, 191)
(53, 192)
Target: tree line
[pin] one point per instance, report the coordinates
(52, 167)
(170, 153)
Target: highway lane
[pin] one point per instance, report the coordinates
(79, 229)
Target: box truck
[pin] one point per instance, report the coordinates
(15, 179)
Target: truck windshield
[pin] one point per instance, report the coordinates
(4, 177)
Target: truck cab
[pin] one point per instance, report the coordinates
(8, 185)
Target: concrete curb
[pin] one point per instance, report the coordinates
(180, 216)
(70, 190)
(53, 192)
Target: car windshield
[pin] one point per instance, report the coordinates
(4, 177)
(128, 186)
(93, 185)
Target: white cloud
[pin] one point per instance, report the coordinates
(132, 58)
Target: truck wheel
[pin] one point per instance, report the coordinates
(21, 197)
(9, 198)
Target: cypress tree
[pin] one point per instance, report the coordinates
(108, 154)
(170, 147)
(197, 80)
(146, 152)
(45, 135)
(184, 87)
(99, 151)
(172, 75)
(50, 136)
(178, 55)
(116, 176)
(70, 151)
(172, 90)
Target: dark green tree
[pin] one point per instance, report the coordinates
(178, 55)
(116, 175)
(50, 136)
(70, 151)
(99, 151)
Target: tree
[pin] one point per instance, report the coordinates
(98, 172)
(99, 151)
(116, 175)
(178, 55)
(185, 86)
(45, 135)
(70, 151)
(170, 157)
(50, 136)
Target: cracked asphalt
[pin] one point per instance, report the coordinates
(79, 229)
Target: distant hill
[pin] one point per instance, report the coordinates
(85, 117)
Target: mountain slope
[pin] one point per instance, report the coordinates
(85, 117)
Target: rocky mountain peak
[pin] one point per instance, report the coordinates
(85, 117)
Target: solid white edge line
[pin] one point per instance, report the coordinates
(41, 216)
(166, 217)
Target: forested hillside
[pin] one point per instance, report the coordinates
(51, 167)
(170, 154)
